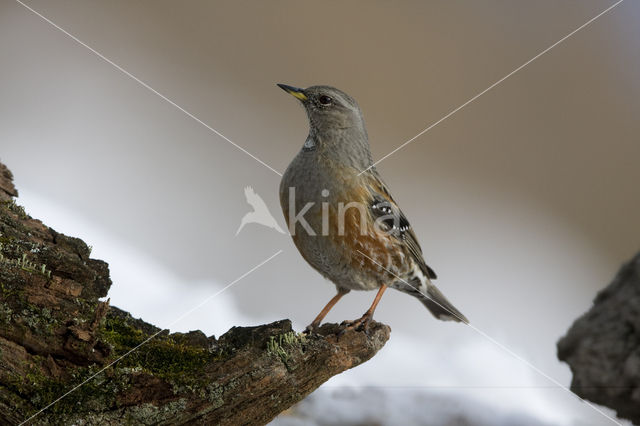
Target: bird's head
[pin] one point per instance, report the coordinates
(327, 107)
(335, 119)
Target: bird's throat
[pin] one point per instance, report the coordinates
(310, 144)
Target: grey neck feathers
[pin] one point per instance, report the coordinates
(348, 146)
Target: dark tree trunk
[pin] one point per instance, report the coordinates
(602, 347)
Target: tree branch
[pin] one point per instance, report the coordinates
(55, 333)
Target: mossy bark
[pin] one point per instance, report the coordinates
(55, 333)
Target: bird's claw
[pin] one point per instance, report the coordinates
(311, 329)
(361, 324)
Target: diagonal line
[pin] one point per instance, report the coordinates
(207, 299)
(494, 84)
(498, 344)
(479, 387)
(145, 85)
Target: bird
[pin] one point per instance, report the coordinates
(260, 213)
(342, 217)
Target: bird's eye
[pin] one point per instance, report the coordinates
(325, 100)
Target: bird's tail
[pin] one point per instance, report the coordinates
(439, 305)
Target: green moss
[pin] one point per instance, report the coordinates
(163, 356)
(41, 390)
(167, 357)
(120, 335)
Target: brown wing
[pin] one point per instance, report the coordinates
(386, 211)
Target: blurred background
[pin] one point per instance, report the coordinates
(525, 202)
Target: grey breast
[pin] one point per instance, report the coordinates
(309, 181)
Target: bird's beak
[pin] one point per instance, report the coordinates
(295, 91)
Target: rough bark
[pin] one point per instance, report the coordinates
(55, 333)
(603, 346)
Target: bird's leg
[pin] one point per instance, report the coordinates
(363, 321)
(323, 313)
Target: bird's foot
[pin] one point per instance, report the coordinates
(361, 324)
